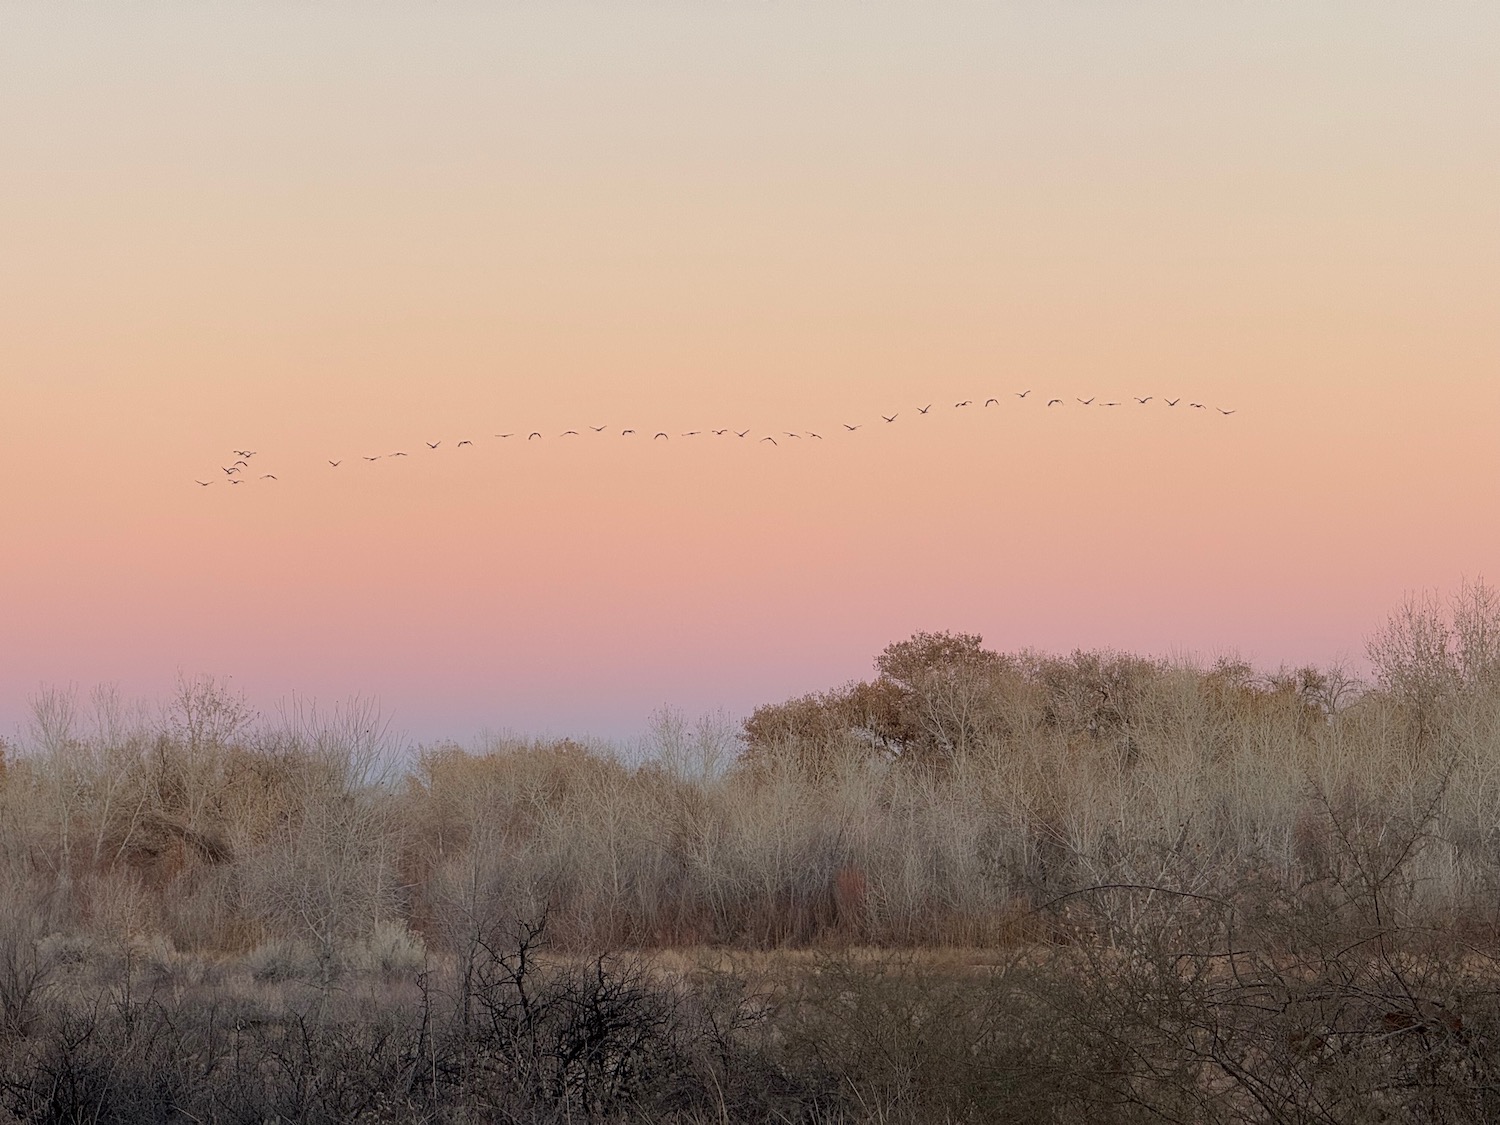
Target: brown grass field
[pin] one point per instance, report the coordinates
(977, 887)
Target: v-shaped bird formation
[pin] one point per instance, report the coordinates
(239, 471)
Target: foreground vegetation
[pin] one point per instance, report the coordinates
(978, 887)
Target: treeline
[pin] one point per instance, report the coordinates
(939, 803)
(1205, 872)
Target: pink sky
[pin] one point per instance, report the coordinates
(321, 233)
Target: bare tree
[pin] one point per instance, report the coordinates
(326, 868)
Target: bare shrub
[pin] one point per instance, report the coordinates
(390, 950)
(26, 964)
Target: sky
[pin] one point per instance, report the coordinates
(325, 232)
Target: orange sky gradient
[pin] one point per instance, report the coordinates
(321, 232)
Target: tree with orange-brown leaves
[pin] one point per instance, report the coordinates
(936, 696)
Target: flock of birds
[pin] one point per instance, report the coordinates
(240, 471)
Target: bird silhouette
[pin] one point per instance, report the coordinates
(505, 435)
(659, 434)
(598, 429)
(534, 433)
(850, 428)
(375, 458)
(772, 440)
(966, 402)
(398, 453)
(1173, 401)
(720, 433)
(337, 463)
(924, 409)
(243, 452)
(811, 434)
(1144, 401)
(433, 444)
(1226, 412)
(891, 417)
(1197, 406)
(741, 433)
(992, 402)
(566, 433)
(268, 476)
(1022, 394)
(1053, 401)
(231, 470)
(463, 443)
(1088, 401)
(624, 432)
(233, 481)
(1109, 404)
(204, 483)
(692, 433)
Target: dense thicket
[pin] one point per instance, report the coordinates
(1179, 882)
